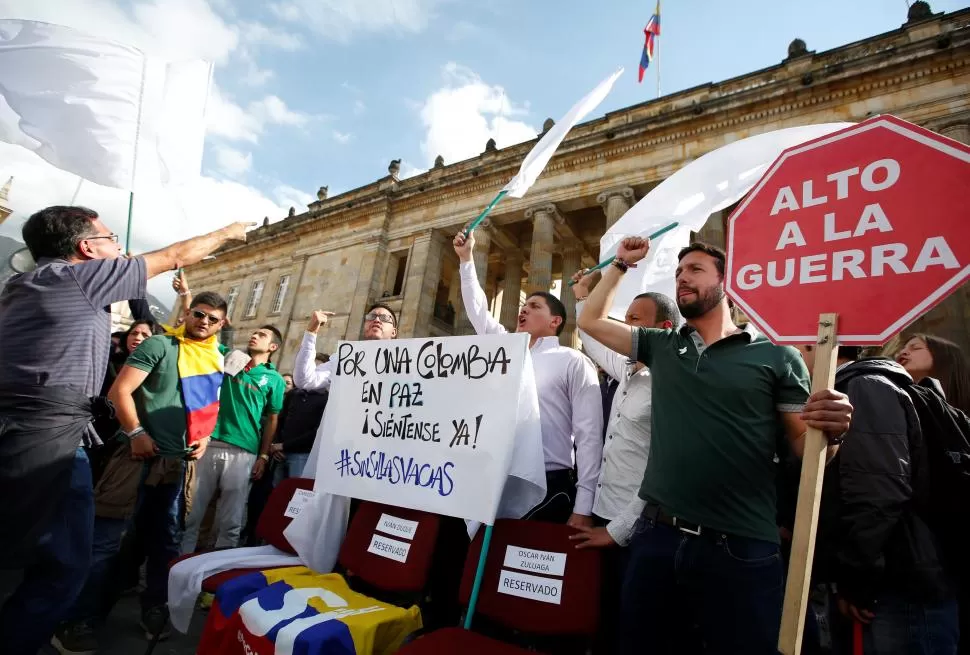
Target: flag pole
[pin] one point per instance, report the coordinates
(607, 262)
(479, 574)
(481, 217)
(131, 203)
(77, 190)
(657, 45)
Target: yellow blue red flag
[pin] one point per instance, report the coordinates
(651, 32)
(296, 611)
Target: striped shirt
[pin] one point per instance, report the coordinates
(55, 321)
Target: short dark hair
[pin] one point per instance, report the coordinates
(666, 307)
(851, 353)
(707, 249)
(556, 308)
(277, 336)
(54, 232)
(323, 358)
(380, 305)
(210, 298)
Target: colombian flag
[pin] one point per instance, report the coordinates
(651, 32)
(200, 373)
(295, 611)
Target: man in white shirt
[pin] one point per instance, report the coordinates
(380, 322)
(617, 505)
(570, 405)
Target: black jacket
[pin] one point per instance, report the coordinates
(871, 539)
(300, 419)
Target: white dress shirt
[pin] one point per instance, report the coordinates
(627, 440)
(306, 374)
(570, 401)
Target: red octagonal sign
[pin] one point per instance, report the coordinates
(870, 222)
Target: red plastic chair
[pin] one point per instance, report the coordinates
(272, 522)
(380, 572)
(577, 614)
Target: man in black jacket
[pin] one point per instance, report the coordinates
(873, 547)
(299, 421)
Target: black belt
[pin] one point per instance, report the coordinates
(655, 513)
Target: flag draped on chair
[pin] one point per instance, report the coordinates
(651, 32)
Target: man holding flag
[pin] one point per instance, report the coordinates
(47, 389)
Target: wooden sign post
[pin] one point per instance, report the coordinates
(809, 496)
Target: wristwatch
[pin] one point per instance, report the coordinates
(264, 457)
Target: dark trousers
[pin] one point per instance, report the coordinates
(902, 626)
(54, 577)
(614, 571)
(158, 513)
(557, 506)
(725, 589)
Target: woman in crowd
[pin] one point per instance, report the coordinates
(927, 356)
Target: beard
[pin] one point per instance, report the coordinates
(704, 302)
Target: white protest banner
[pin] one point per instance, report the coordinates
(533, 587)
(538, 561)
(423, 423)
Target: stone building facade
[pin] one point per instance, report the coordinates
(390, 240)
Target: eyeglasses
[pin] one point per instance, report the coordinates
(201, 315)
(113, 237)
(383, 318)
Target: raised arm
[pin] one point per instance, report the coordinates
(476, 304)
(306, 374)
(594, 319)
(191, 251)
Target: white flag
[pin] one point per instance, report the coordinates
(101, 110)
(706, 185)
(543, 151)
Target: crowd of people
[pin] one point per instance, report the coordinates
(124, 451)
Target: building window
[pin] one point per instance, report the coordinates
(397, 268)
(231, 300)
(280, 294)
(255, 295)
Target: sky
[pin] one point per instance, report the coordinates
(310, 93)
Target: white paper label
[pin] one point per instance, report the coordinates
(300, 499)
(536, 561)
(389, 548)
(397, 527)
(235, 362)
(523, 585)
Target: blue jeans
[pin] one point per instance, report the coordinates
(683, 591)
(158, 511)
(54, 578)
(291, 467)
(913, 628)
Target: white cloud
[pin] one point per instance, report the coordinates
(288, 196)
(342, 137)
(232, 162)
(227, 119)
(339, 20)
(359, 107)
(263, 35)
(410, 170)
(463, 115)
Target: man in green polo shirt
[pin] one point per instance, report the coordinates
(249, 404)
(705, 550)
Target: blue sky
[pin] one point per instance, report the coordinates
(326, 92)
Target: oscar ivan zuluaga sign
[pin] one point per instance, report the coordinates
(424, 423)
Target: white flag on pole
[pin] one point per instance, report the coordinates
(543, 151)
(99, 109)
(706, 185)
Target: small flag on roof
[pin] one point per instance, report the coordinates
(651, 32)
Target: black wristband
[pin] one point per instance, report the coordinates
(622, 265)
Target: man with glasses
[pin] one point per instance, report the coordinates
(46, 389)
(379, 323)
(249, 405)
(145, 483)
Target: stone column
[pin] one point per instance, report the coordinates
(713, 230)
(362, 293)
(511, 288)
(615, 203)
(572, 258)
(483, 241)
(544, 218)
(456, 300)
(421, 285)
